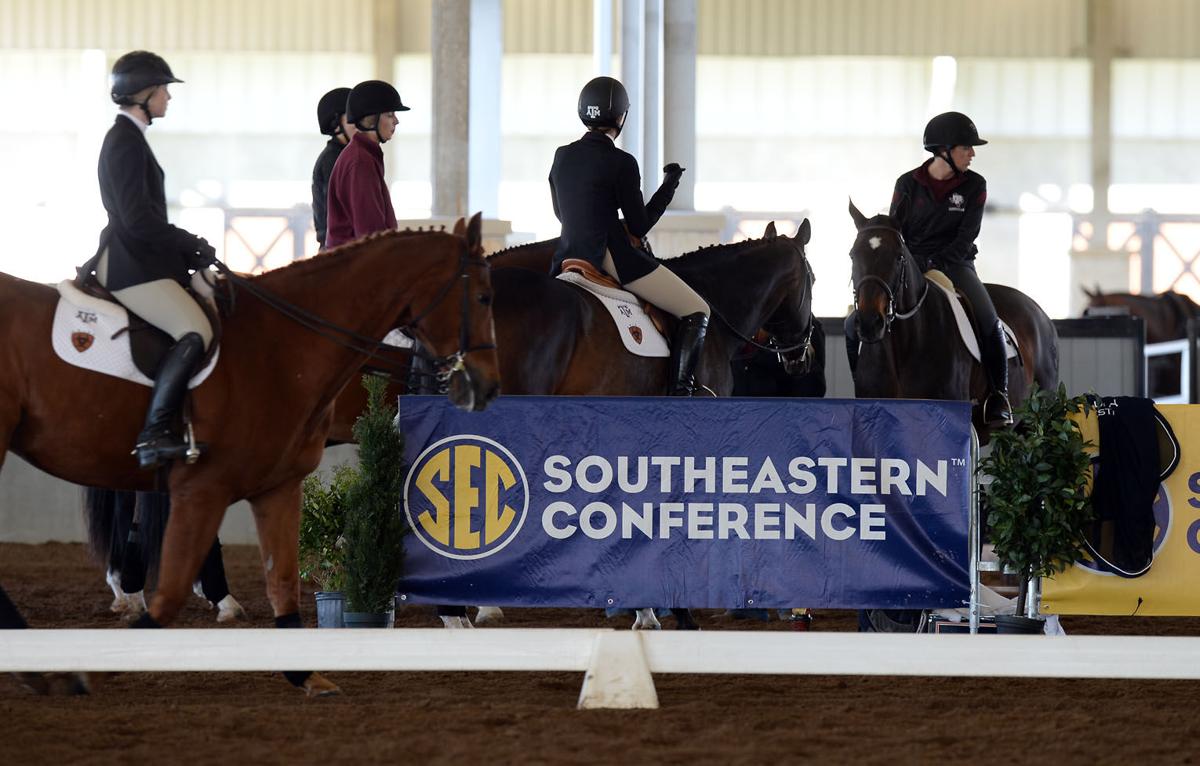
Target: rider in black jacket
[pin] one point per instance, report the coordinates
(590, 181)
(143, 260)
(939, 207)
(331, 118)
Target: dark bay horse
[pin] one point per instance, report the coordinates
(568, 344)
(265, 411)
(1166, 318)
(910, 347)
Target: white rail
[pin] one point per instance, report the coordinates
(616, 661)
(1183, 347)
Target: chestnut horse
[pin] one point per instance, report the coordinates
(297, 336)
(910, 348)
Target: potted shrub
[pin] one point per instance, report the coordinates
(1037, 501)
(375, 529)
(322, 543)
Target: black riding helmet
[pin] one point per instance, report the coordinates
(136, 71)
(602, 103)
(948, 130)
(330, 109)
(372, 97)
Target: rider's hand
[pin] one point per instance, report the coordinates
(204, 256)
(673, 172)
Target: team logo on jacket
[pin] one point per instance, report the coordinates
(956, 202)
(466, 497)
(82, 341)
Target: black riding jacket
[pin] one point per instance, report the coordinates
(943, 217)
(320, 185)
(142, 245)
(591, 180)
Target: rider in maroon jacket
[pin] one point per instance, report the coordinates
(359, 202)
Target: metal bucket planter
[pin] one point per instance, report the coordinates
(330, 605)
(369, 619)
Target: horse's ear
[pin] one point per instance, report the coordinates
(860, 220)
(475, 233)
(804, 232)
(1090, 294)
(770, 232)
(460, 227)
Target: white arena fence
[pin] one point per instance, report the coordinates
(618, 665)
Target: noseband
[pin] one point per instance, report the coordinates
(890, 313)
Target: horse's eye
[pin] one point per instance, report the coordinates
(485, 299)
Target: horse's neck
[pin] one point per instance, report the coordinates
(361, 292)
(535, 256)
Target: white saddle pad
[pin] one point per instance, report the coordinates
(965, 331)
(637, 332)
(82, 335)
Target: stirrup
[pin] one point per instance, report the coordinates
(1007, 418)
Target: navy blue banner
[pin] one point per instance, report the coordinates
(703, 503)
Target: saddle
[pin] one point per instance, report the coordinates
(965, 319)
(643, 327)
(147, 344)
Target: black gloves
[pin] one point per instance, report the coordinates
(204, 255)
(673, 172)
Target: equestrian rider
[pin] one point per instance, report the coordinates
(591, 180)
(331, 119)
(359, 200)
(143, 260)
(940, 208)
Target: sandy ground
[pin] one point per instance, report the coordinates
(530, 717)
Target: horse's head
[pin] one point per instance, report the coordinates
(791, 324)
(456, 324)
(884, 274)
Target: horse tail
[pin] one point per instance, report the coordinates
(155, 509)
(100, 517)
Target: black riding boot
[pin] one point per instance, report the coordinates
(994, 350)
(851, 343)
(685, 353)
(157, 444)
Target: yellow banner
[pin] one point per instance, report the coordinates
(1172, 586)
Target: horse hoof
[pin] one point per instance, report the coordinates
(646, 620)
(55, 684)
(198, 590)
(456, 623)
(230, 610)
(489, 615)
(318, 686)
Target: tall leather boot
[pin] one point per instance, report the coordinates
(685, 353)
(157, 444)
(993, 349)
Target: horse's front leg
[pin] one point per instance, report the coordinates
(277, 518)
(195, 518)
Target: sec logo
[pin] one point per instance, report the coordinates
(466, 497)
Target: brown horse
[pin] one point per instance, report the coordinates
(909, 344)
(1166, 318)
(265, 411)
(569, 344)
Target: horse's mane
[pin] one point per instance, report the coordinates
(695, 262)
(323, 260)
(523, 246)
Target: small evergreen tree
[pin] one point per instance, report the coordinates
(1038, 503)
(322, 524)
(375, 528)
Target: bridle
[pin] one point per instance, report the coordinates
(446, 366)
(890, 313)
(804, 345)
